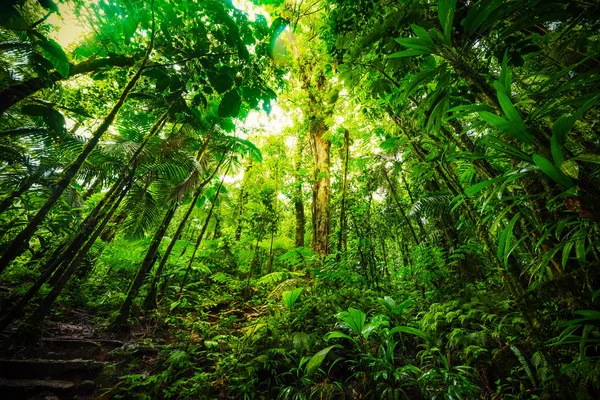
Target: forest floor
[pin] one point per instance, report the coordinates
(75, 355)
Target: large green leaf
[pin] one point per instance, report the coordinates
(446, 9)
(505, 239)
(409, 53)
(478, 13)
(315, 362)
(503, 147)
(556, 174)
(230, 104)
(222, 83)
(56, 55)
(411, 331)
(53, 118)
(290, 297)
(354, 318)
(508, 127)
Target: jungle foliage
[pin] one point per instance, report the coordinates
(310, 199)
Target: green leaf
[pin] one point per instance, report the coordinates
(422, 35)
(503, 147)
(56, 55)
(409, 53)
(411, 331)
(553, 172)
(591, 158)
(338, 335)
(482, 185)
(354, 318)
(506, 75)
(507, 127)
(315, 362)
(511, 113)
(48, 5)
(505, 239)
(563, 125)
(53, 118)
(478, 13)
(446, 10)
(230, 104)
(290, 297)
(222, 83)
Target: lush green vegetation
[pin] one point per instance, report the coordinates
(310, 199)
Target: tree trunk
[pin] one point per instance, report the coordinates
(150, 300)
(49, 300)
(298, 198)
(16, 246)
(13, 94)
(145, 267)
(238, 229)
(397, 201)
(342, 227)
(203, 231)
(8, 202)
(321, 188)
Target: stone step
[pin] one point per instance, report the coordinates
(69, 349)
(77, 369)
(40, 389)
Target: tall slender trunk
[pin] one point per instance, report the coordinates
(8, 201)
(203, 231)
(150, 300)
(342, 227)
(274, 221)
(49, 300)
(92, 188)
(15, 248)
(397, 201)
(298, 198)
(145, 266)
(241, 200)
(322, 187)
(127, 171)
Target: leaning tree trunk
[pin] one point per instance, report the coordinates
(49, 300)
(15, 248)
(321, 188)
(127, 172)
(202, 232)
(8, 201)
(397, 201)
(145, 267)
(13, 94)
(60, 255)
(150, 300)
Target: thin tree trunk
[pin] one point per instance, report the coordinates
(238, 229)
(8, 202)
(18, 243)
(150, 300)
(298, 198)
(397, 201)
(128, 170)
(342, 227)
(13, 94)
(321, 188)
(49, 300)
(92, 188)
(203, 231)
(145, 267)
